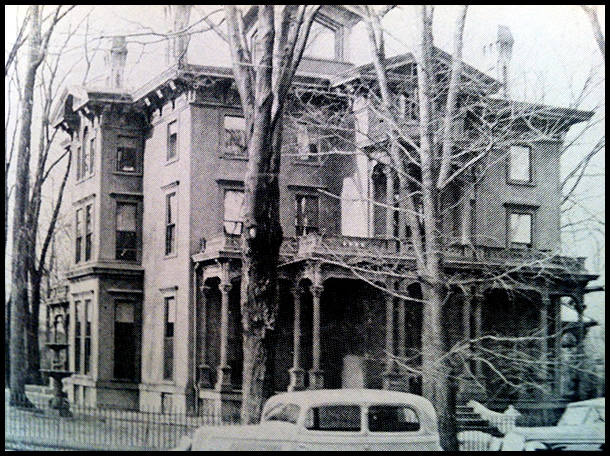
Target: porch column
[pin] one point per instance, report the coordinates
(477, 302)
(558, 332)
(224, 370)
(469, 384)
(402, 335)
(544, 336)
(389, 219)
(297, 374)
(579, 306)
(466, 311)
(389, 376)
(204, 381)
(316, 376)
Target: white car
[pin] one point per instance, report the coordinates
(341, 419)
(581, 427)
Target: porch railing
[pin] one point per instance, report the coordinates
(321, 245)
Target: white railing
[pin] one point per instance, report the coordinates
(504, 422)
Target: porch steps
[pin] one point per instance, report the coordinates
(468, 420)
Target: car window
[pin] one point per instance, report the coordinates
(333, 418)
(288, 413)
(573, 416)
(393, 418)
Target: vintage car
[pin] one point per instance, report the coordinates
(341, 419)
(581, 427)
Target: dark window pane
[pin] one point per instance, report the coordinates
(168, 342)
(170, 239)
(88, 319)
(78, 253)
(334, 418)
(392, 418)
(306, 220)
(79, 158)
(168, 359)
(127, 154)
(77, 334)
(126, 158)
(172, 140)
(88, 247)
(170, 223)
(126, 245)
(124, 350)
(126, 234)
(124, 340)
(92, 155)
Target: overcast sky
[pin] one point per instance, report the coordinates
(553, 54)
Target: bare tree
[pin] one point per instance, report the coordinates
(263, 75)
(591, 11)
(39, 42)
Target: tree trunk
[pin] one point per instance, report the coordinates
(33, 343)
(19, 291)
(262, 230)
(435, 368)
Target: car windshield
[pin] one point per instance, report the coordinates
(573, 416)
(288, 413)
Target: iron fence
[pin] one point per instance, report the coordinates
(89, 428)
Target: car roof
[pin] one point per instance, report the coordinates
(600, 401)
(360, 396)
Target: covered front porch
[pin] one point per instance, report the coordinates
(341, 326)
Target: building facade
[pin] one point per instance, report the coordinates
(155, 281)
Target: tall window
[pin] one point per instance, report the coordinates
(88, 231)
(172, 140)
(306, 220)
(87, 335)
(91, 155)
(168, 338)
(127, 154)
(126, 232)
(78, 315)
(233, 214)
(308, 142)
(85, 151)
(234, 135)
(79, 161)
(520, 226)
(79, 236)
(124, 340)
(170, 223)
(520, 166)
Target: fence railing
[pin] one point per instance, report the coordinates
(89, 428)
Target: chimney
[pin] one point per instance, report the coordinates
(177, 19)
(115, 63)
(498, 53)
